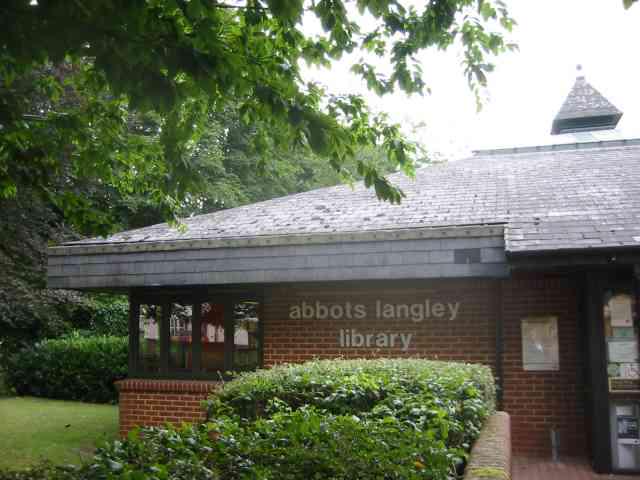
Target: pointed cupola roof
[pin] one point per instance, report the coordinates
(585, 109)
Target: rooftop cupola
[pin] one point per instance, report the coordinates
(585, 109)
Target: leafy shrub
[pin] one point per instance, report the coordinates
(356, 419)
(419, 391)
(44, 471)
(291, 444)
(311, 443)
(71, 368)
(5, 390)
(108, 315)
(29, 315)
(360, 419)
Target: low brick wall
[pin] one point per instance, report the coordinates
(491, 455)
(156, 402)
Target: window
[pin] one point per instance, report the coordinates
(621, 337)
(196, 338)
(181, 337)
(213, 345)
(149, 321)
(246, 338)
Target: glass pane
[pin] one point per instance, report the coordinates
(212, 318)
(149, 337)
(180, 352)
(621, 335)
(246, 355)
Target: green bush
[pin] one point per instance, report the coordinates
(70, 368)
(29, 315)
(414, 389)
(5, 390)
(45, 471)
(360, 419)
(108, 314)
(356, 419)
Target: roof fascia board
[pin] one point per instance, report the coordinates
(557, 147)
(573, 257)
(469, 231)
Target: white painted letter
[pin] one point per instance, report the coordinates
(402, 311)
(357, 339)
(382, 340)
(369, 340)
(438, 309)
(336, 311)
(388, 311)
(417, 312)
(307, 311)
(406, 340)
(453, 309)
(322, 311)
(347, 309)
(360, 310)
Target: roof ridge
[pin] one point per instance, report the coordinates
(558, 147)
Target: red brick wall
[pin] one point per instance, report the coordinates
(540, 401)
(156, 402)
(470, 337)
(537, 401)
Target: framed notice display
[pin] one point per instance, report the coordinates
(624, 385)
(540, 344)
(620, 311)
(621, 337)
(622, 350)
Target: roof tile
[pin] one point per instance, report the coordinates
(548, 200)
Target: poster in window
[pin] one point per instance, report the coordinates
(623, 332)
(621, 311)
(622, 350)
(613, 369)
(629, 370)
(540, 344)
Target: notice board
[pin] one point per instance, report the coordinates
(540, 343)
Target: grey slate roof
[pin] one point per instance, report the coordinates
(584, 196)
(585, 108)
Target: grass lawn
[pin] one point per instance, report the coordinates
(62, 432)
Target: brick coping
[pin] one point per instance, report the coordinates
(176, 386)
(491, 455)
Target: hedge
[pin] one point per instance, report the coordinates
(404, 387)
(356, 419)
(71, 368)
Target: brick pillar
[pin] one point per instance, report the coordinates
(146, 402)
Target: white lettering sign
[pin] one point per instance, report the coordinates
(416, 312)
(353, 338)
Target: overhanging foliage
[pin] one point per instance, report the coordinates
(117, 94)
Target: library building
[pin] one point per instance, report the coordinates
(525, 259)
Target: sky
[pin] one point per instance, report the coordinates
(528, 86)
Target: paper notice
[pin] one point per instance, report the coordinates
(620, 310)
(630, 370)
(613, 369)
(540, 343)
(623, 351)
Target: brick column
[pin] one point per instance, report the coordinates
(146, 402)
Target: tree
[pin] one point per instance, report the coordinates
(232, 175)
(177, 61)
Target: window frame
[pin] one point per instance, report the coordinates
(165, 300)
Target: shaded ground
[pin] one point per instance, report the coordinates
(62, 432)
(565, 469)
